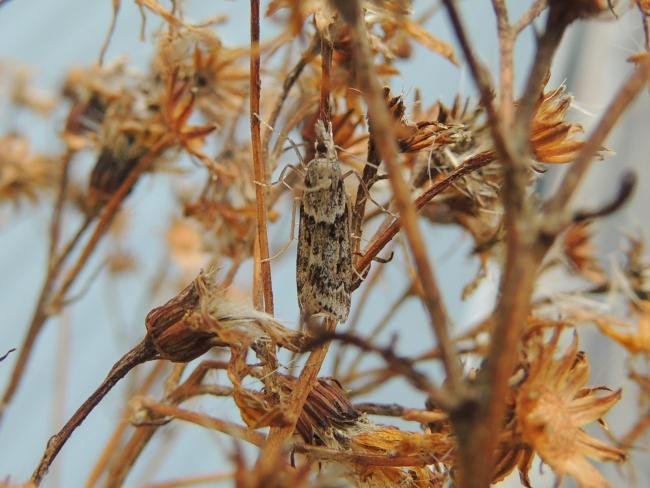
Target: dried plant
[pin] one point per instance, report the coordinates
(374, 165)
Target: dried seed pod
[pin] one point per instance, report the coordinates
(113, 166)
(327, 411)
(176, 331)
(324, 262)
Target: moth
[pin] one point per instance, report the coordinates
(324, 261)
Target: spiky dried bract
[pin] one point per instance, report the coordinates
(552, 406)
(324, 260)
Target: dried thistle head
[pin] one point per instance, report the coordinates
(552, 406)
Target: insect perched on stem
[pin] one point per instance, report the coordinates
(324, 263)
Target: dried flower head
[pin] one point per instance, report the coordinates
(634, 337)
(211, 71)
(552, 138)
(202, 316)
(552, 406)
(23, 175)
(580, 253)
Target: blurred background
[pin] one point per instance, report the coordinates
(48, 38)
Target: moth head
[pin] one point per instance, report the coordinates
(325, 141)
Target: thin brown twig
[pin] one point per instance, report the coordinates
(273, 448)
(141, 353)
(288, 83)
(483, 83)
(395, 410)
(131, 450)
(259, 166)
(506, 37)
(359, 209)
(113, 442)
(230, 428)
(192, 480)
(402, 365)
(55, 225)
(530, 15)
(379, 242)
(326, 67)
(556, 24)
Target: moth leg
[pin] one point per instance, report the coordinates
(292, 236)
(366, 190)
(282, 178)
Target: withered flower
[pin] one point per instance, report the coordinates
(91, 90)
(551, 137)
(185, 244)
(329, 419)
(635, 339)
(202, 316)
(552, 406)
(578, 248)
(225, 207)
(637, 269)
(23, 175)
(174, 330)
(211, 71)
(414, 137)
(387, 21)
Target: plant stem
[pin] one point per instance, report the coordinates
(259, 166)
